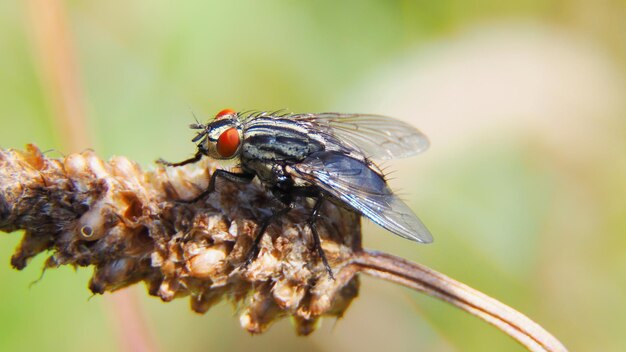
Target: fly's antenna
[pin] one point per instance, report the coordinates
(198, 126)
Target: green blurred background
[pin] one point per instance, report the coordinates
(523, 187)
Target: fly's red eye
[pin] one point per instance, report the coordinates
(224, 113)
(228, 143)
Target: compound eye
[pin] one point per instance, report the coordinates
(228, 143)
(225, 112)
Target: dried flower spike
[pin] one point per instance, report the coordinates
(130, 227)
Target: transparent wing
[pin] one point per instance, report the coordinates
(378, 137)
(353, 182)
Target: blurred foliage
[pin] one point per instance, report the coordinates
(537, 226)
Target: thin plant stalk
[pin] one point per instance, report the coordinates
(428, 281)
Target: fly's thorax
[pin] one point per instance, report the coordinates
(274, 139)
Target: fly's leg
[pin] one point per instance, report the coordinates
(193, 159)
(254, 250)
(231, 176)
(316, 236)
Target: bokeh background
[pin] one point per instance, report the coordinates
(524, 187)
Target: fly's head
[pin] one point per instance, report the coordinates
(220, 138)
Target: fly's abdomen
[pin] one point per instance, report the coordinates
(272, 139)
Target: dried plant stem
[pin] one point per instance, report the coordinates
(426, 280)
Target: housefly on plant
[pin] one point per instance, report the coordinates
(324, 156)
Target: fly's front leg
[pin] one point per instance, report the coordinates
(231, 176)
(316, 236)
(191, 160)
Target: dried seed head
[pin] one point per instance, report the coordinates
(128, 225)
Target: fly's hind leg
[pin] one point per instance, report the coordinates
(254, 250)
(316, 236)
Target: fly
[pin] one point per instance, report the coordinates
(324, 156)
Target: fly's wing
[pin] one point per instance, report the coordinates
(377, 137)
(355, 184)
